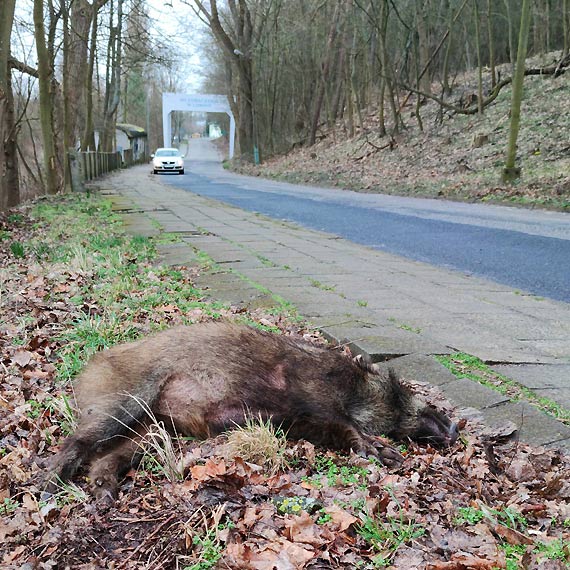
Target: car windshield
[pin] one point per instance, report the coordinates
(167, 152)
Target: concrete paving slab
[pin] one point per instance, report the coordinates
(538, 376)
(559, 349)
(525, 328)
(465, 392)
(341, 333)
(312, 310)
(279, 283)
(382, 301)
(422, 368)
(395, 343)
(176, 254)
(219, 280)
(534, 426)
(525, 304)
(138, 225)
(245, 263)
(205, 239)
(327, 323)
(241, 296)
(275, 273)
(225, 255)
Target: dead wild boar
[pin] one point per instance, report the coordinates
(206, 378)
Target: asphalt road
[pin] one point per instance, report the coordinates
(525, 249)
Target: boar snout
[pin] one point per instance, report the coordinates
(435, 428)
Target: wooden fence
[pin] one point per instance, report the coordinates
(85, 166)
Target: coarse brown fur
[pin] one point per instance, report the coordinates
(205, 378)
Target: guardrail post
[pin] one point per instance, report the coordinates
(74, 160)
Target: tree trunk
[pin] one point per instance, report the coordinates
(88, 138)
(510, 34)
(445, 72)
(325, 76)
(479, 62)
(491, 44)
(381, 114)
(356, 93)
(67, 113)
(9, 180)
(510, 172)
(76, 68)
(565, 28)
(423, 60)
(387, 66)
(45, 73)
(335, 111)
(113, 93)
(245, 108)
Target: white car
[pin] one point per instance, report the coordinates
(167, 160)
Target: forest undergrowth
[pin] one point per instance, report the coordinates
(449, 155)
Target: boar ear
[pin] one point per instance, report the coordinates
(364, 362)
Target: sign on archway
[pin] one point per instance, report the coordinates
(199, 103)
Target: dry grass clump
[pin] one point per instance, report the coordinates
(259, 442)
(157, 446)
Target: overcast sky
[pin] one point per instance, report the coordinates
(176, 22)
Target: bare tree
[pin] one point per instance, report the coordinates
(511, 172)
(47, 100)
(491, 45)
(238, 44)
(76, 28)
(565, 28)
(479, 58)
(325, 75)
(9, 181)
(113, 77)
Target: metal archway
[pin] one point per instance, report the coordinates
(198, 102)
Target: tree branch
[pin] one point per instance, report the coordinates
(21, 66)
(555, 70)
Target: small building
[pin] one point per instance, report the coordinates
(132, 143)
(214, 131)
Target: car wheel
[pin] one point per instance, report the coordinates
(155, 172)
(181, 171)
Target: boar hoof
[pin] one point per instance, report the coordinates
(385, 453)
(390, 456)
(104, 489)
(104, 497)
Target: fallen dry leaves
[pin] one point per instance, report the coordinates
(224, 514)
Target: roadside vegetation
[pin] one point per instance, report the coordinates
(447, 155)
(72, 283)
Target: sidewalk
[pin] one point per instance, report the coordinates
(385, 305)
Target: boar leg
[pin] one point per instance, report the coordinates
(106, 469)
(386, 453)
(75, 452)
(89, 439)
(344, 436)
(101, 429)
(67, 462)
